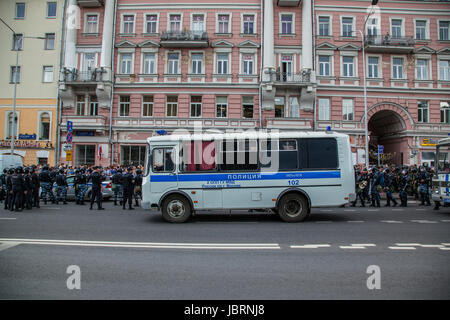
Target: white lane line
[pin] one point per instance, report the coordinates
(310, 246)
(364, 244)
(444, 248)
(229, 246)
(391, 221)
(402, 248)
(352, 247)
(408, 244)
(8, 218)
(7, 245)
(445, 244)
(445, 220)
(432, 246)
(423, 221)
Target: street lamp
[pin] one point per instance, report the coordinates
(15, 74)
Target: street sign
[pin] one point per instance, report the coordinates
(380, 149)
(67, 146)
(69, 126)
(69, 155)
(69, 138)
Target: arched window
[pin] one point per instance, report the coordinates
(44, 126)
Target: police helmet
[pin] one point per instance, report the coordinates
(19, 169)
(26, 171)
(5, 170)
(11, 171)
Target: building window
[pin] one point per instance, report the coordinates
(151, 23)
(196, 106)
(247, 107)
(128, 24)
(44, 126)
(222, 63)
(422, 69)
(444, 70)
(149, 63)
(324, 65)
(347, 109)
(286, 23)
(93, 106)
(49, 41)
(397, 68)
(324, 109)
(80, 105)
(15, 75)
(248, 23)
(223, 23)
(422, 111)
(20, 10)
(172, 106)
(248, 61)
(347, 27)
(91, 23)
(396, 28)
(324, 26)
(294, 107)
(125, 63)
(47, 74)
(13, 125)
(147, 106)
(444, 27)
(348, 65)
(175, 23)
(173, 62)
(373, 67)
(85, 155)
(421, 29)
(17, 41)
(445, 112)
(124, 106)
(279, 107)
(372, 27)
(51, 9)
(198, 23)
(197, 61)
(221, 107)
(132, 155)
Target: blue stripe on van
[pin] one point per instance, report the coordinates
(246, 176)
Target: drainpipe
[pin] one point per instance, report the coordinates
(111, 161)
(58, 99)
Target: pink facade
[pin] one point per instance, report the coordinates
(183, 64)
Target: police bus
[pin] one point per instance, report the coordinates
(288, 172)
(441, 181)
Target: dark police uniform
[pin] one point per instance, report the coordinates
(18, 188)
(138, 187)
(96, 194)
(128, 189)
(116, 180)
(47, 185)
(61, 185)
(36, 187)
(28, 186)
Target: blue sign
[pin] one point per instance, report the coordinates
(69, 126)
(27, 136)
(69, 138)
(84, 133)
(380, 149)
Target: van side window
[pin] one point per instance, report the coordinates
(198, 156)
(279, 154)
(322, 153)
(162, 160)
(239, 155)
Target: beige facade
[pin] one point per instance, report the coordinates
(37, 24)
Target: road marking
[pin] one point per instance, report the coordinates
(364, 244)
(7, 245)
(445, 220)
(432, 246)
(8, 218)
(408, 244)
(402, 248)
(391, 221)
(350, 210)
(155, 245)
(423, 221)
(445, 244)
(444, 248)
(352, 247)
(310, 246)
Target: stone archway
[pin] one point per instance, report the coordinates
(386, 122)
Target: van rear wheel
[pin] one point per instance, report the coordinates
(293, 208)
(176, 208)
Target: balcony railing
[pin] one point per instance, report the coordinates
(288, 78)
(389, 44)
(184, 39)
(74, 75)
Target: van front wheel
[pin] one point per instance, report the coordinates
(293, 208)
(176, 208)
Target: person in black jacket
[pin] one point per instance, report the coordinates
(138, 187)
(46, 184)
(118, 187)
(18, 189)
(81, 181)
(36, 186)
(61, 185)
(96, 177)
(128, 188)
(3, 185)
(403, 185)
(28, 190)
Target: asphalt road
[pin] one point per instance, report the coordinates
(124, 254)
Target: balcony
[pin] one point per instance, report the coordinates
(291, 80)
(90, 3)
(389, 44)
(97, 123)
(184, 39)
(74, 76)
(288, 3)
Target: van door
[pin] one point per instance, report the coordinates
(163, 177)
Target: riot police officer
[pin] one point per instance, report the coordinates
(28, 187)
(46, 184)
(96, 177)
(403, 185)
(424, 180)
(128, 189)
(388, 187)
(18, 189)
(362, 186)
(138, 186)
(61, 185)
(9, 192)
(81, 181)
(36, 186)
(118, 186)
(3, 185)
(374, 182)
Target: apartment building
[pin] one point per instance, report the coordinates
(32, 35)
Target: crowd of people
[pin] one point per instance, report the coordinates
(24, 188)
(406, 181)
